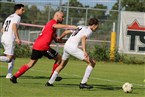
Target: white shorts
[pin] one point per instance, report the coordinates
(74, 51)
(8, 48)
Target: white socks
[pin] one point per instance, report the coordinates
(10, 66)
(53, 77)
(84, 80)
(4, 59)
(87, 74)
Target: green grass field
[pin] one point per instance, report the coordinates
(107, 79)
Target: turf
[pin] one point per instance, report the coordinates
(107, 79)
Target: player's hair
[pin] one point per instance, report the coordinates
(93, 21)
(18, 6)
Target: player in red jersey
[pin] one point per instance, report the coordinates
(42, 47)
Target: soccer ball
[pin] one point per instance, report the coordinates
(127, 87)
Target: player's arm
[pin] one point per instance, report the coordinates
(60, 38)
(62, 26)
(83, 40)
(14, 27)
(66, 32)
(57, 40)
(1, 30)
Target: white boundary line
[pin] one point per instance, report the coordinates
(95, 78)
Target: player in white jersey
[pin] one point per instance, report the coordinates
(10, 35)
(71, 48)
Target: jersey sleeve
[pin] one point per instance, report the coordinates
(53, 23)
(17, 20)
(73, 30)
(87, 34)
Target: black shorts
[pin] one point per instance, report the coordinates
(36, 54)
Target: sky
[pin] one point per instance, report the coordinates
(92, 3)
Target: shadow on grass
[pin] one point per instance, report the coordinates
(43, 77)
(29, 77)
(99, 86)
(3, 76)
(104, 87)
(34, 77)
(67, 85)
(107, 87)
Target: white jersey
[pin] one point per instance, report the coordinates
(76, 36)
(71, 46)
(8, 33)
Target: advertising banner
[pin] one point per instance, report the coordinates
(132, 33)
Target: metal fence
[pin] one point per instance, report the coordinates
(82, 14)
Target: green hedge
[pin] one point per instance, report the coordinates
(102, 53)
(99, 53)
(22, 51)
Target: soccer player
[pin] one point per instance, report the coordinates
(71, 48)
(9, 36)
(42, 47)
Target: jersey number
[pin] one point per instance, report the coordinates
(76, 31)
(7, 24)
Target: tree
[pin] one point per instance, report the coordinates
(33, 11)
(98, 13)
(11, 0)
(5, 10)
(130, 5)
(133, 5)
(75, 14)
(127, 5)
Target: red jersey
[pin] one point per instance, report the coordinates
(45, 38)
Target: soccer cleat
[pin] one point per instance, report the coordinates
(48, 84)
(85, 86)
(58, 78)
(13, 79)
(9, 75)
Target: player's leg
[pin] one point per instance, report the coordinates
(25, 67)
(89, 68)
(56, 72)
(91, 65)
(22, 70)
(62, 65)
(52, 54)
(8, 53)
(9, 57)
(34, 58)
(80, 55)
(10, 66)
(56, 63)
(58, 69)
(10, 69)
(5, 59)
